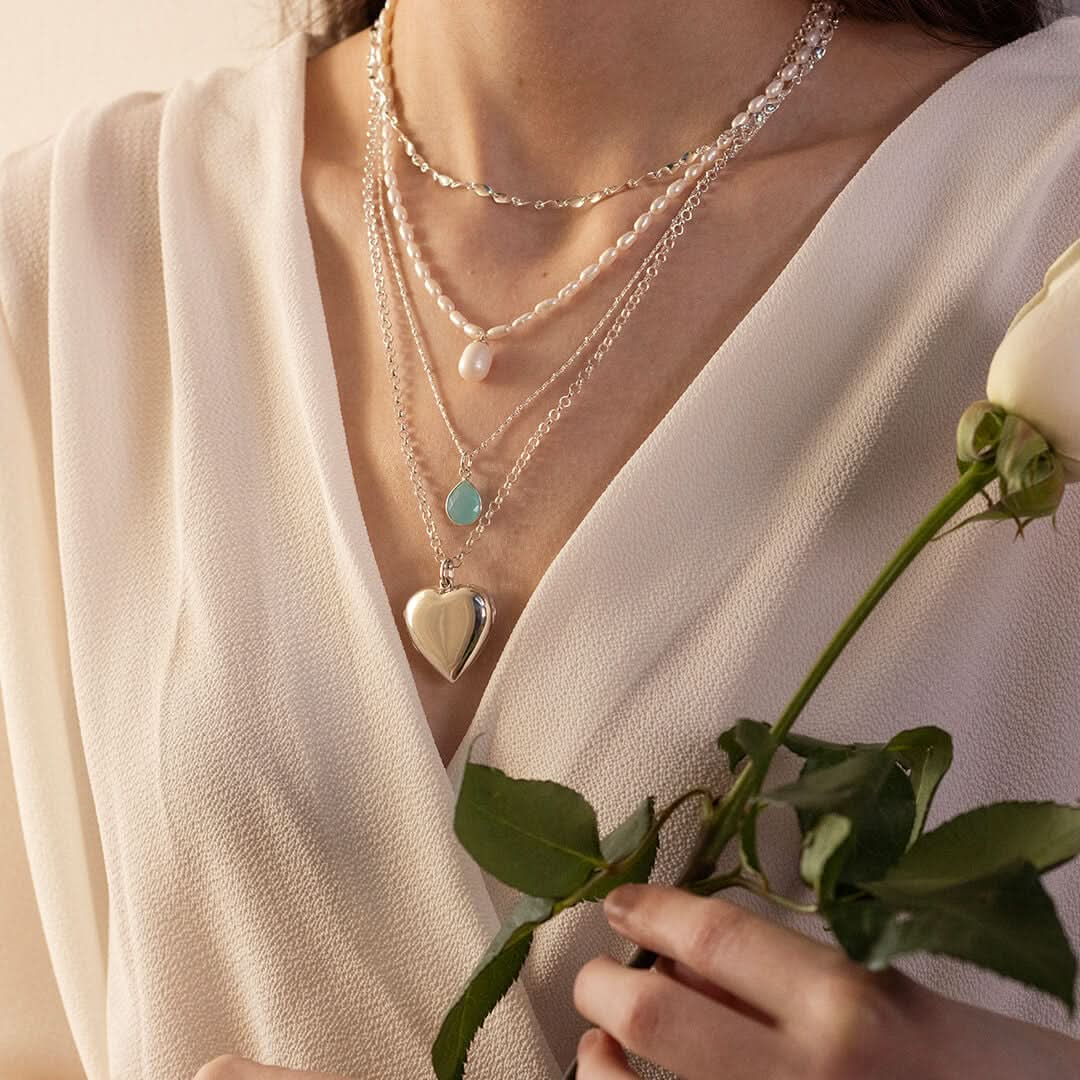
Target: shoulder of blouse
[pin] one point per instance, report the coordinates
(102, 166)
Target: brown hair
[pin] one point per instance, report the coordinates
(980, 23)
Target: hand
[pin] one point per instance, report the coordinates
(736, 997)
(231, 1067)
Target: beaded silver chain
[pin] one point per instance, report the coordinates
(614, 318)
(808, 46)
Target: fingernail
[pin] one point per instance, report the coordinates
(619, 902)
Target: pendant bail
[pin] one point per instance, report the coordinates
(465, 466)
(446, 575)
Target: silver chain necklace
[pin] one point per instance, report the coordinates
(449, 624)
(486, 341)
(815, 37)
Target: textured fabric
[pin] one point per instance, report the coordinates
(209, 706)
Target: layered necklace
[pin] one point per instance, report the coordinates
(449, 624)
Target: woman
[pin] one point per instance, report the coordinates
(235, 766)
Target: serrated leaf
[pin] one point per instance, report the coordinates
(744, 737)
(1004, 921)
(489, 981)
(534, 835)
(926, 752)
(987, 838)
(825, 848)
(622, 841)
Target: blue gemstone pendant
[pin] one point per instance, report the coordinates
(463, 504)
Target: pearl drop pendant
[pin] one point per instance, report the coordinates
(475, 362)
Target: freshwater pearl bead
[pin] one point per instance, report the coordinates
(390, 180)
(521, 320)
(626, 240)
(589, 273)
(711, 156)
(432, 287)
(496, 332)
(659, 204)
(789, 71)
(803, 55)
(475, 362)
(446, 304)
(458, 319)
(400, 213)
(694, 172)
(567, 290)
(756, 104)
(643, 222)
(412, 249)
(724, 141)
(473, 331)
(393, 196)
(739, 119)
(676, 187)
(406, 233)
(608, 256)
(775, 88)
(812, 38)
(544, 306)
(423, 272)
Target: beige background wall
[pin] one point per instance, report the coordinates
(56, 55)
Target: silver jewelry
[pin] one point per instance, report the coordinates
(450, 623)
(814, 35)
(476, 358)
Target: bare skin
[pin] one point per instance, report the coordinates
(498, 262)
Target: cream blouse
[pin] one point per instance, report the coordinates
(237, 823)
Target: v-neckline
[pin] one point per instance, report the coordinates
(321, 367)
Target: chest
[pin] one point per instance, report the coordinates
(688, 310)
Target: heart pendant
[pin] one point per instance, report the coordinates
(450, 627)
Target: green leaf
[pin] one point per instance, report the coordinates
(825, 848)
(1004, 921)
(983, 840)
(748, 836)
(978, 432)
(869, 787)
(827, 787)
(806, 746)
(926, 752)
(857, 922)
(744, 737)
(621, 842)
(534, 835)
(491, 978)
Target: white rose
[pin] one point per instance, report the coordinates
(1035, 372)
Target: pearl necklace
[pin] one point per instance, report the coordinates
(476, 358)
(450, 624)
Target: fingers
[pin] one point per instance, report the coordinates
(676, 1027)
(768, 966)
(600, 1057)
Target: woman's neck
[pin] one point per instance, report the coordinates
(555, 97)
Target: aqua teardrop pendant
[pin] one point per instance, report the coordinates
(463, 504)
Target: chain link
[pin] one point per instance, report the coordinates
(380, 71)
(617, 316)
